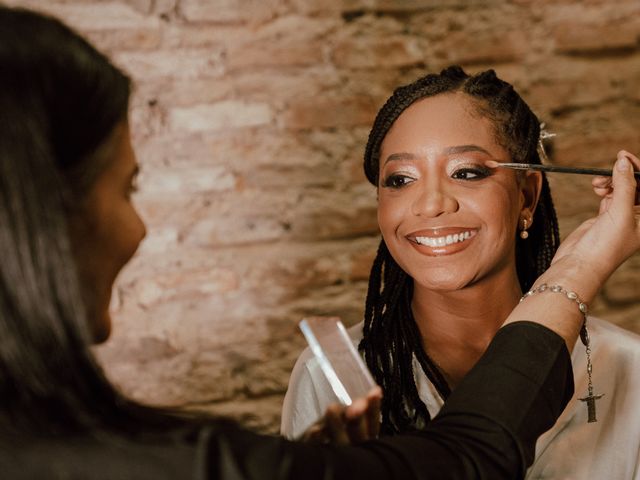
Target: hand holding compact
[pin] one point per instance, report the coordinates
(346, 425)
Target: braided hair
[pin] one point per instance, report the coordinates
(391, 339)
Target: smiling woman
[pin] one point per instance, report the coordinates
(434, 189)
(461, 242)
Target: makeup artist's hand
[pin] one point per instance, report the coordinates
(601, 244)
(603, 186)
(342, 425)
(588, 256)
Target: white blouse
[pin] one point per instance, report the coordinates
(572, 449)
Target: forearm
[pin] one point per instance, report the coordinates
(487, 429)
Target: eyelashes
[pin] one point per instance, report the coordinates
(468, 173)
(132, 187)
(477, 172)
(396, 181)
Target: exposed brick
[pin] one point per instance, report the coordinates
(204, 35)
(623, 286)
(574, 187)
(91, 16)
(310, 6)
(218, 116)
(594, 139)
(134, 39)
(217, 229)
(557, 94)
(187, 179)
(281, 86)
(285, 53)
(360, 267)
(321, 214)
(188, 63)
(631, 86)
(221, 11)
(483, 47)
(571, 37)
(180, 92)
(143, 6)
(289, 40)
(164, 7)
(395, 51)
(196, 282)
(329, 112)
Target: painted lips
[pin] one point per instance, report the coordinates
(441, 241)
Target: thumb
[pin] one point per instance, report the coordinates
(624, 184)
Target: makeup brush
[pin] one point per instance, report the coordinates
(553, 168)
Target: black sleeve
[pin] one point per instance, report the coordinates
(486, 430)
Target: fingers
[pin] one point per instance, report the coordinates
(373, 412)
(603, 186)
(316, 433)
(336, 432)
(623, 182)
(363, 417)
(355, 423)
(632, 158)
(342, 425)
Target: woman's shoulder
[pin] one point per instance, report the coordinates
(610, 332)
(307, 359)
(613, 340)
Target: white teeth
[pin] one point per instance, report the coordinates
(445, 240)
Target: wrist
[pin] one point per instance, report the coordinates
(574, 275)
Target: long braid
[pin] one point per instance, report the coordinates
(391, 338)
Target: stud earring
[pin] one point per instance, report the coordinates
(523, 233)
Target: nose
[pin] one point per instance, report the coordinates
(434, 199)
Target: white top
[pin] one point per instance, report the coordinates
(572, 449)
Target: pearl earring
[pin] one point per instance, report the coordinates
(523, 233)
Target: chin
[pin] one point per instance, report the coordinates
(442, 281)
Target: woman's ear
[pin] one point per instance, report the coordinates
(530, 188)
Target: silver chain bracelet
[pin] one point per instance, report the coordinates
(590, 399)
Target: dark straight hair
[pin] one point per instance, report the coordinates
(391, 337)
(60, 101)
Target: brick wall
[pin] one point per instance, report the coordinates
(250, 119)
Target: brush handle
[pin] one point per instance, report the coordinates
(558, 169)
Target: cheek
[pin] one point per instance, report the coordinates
(386, 221)
(499, 208)
(392, 208)
(121, 233)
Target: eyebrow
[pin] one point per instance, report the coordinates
(447, 151)
(395, 157)
(464, 149)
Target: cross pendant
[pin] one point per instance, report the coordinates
(591, 406)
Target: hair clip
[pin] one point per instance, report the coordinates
(544, 135)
